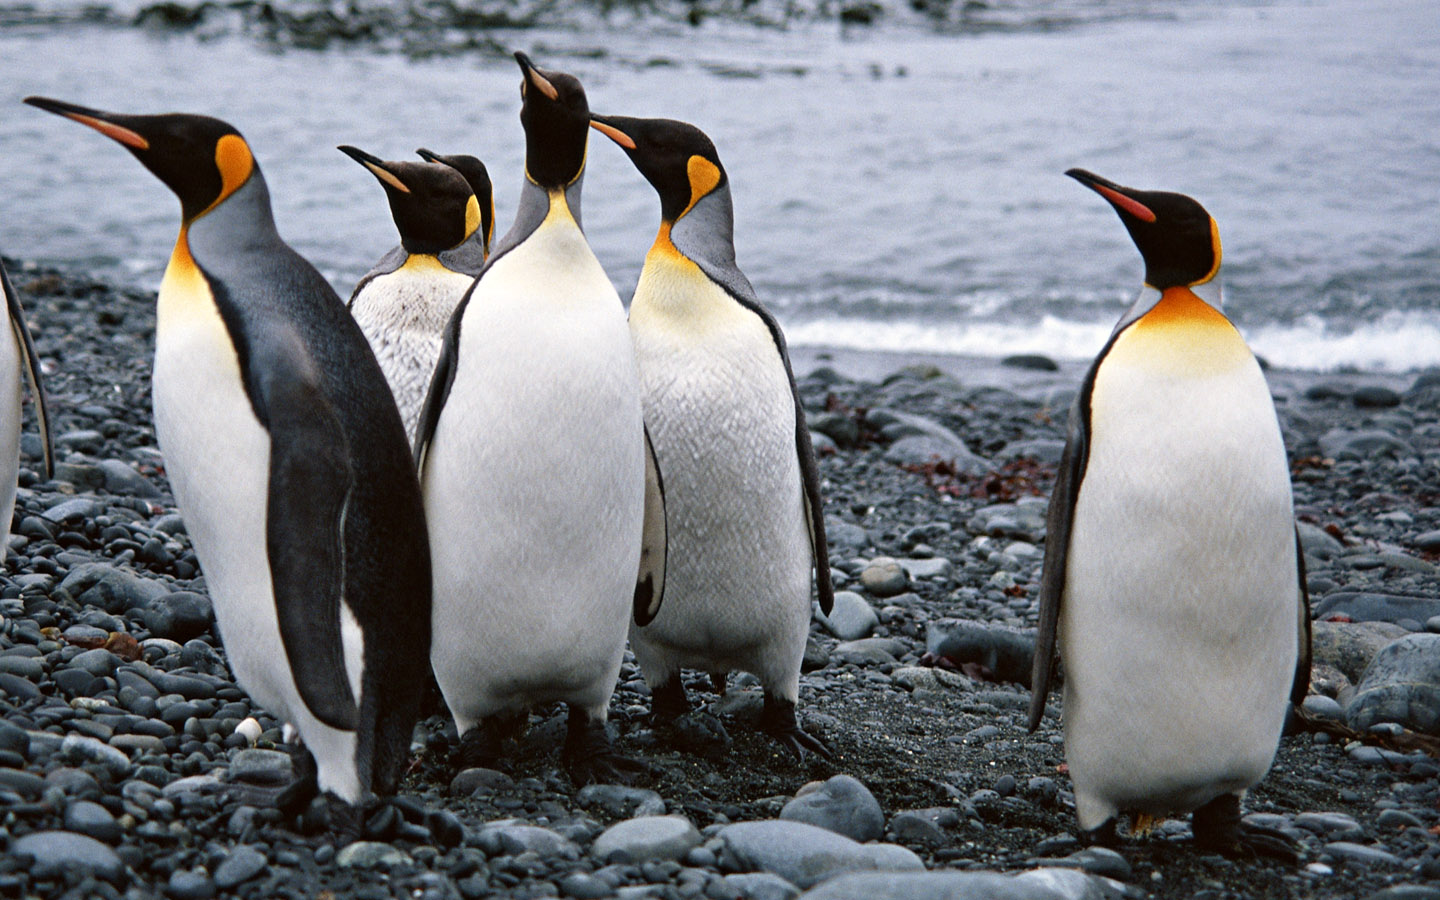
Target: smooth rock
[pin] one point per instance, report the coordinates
(841, 804)
(934, 567)
(370, 855)
(884, 577)
(78, 749)
(109, 588)
(806, 854)
(73, 510)
(190, 884)
(926, 678)
(57, 853)
(1038, 884)
(1317, 542)
(621, 800)
(1374, 396)
(242, 864)
(1361, 854)
(85, 817)
(468, 781)
(1341, 443)
(1367, 606)
(646, 838)
(514, 839)
(99, 662)
(1401, 685)
(1025, 521)
(851, 618)
(179, 616)
(263, 767)
(869, 651)
(1333, 826)
(1350, 646)
(762, 886)
(121, 478)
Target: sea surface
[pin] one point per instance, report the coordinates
(898, 186)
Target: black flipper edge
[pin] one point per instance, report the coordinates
(31, 364)
(654, 543)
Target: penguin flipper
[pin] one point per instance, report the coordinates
(388, 263)
(650, 582)
(1058, 520)
(1301, 686)
(309, 492)
(31, 362)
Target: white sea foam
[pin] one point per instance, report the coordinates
(1396, 342)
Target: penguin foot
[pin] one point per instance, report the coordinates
(1218, 829)
(589, 758)
(328, 814)
(777, 719)
(294, 798)
(1106, 834)
(483, 746)
(668, 702)
(699, 733)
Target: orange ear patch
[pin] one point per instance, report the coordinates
(233, 159)
(704, 176)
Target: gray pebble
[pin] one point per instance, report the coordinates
(1401, 685)
(841, 804)
(264, 767)
(621, 800)
(1039, 884)
(85, 817)
(514, 839)
(851, 618)
(1361, 854)
(647, 838)
(121, 478)
(762, 886)
(370, 855)
(805, 854)
(187, 884)
(58, 853)
(884, 577)
(468, 781)
(99, 662)
(179, 616)
(242, 864)
(1332, 825)
(79, 749)
(583, 886)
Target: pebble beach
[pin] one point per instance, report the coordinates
(131, 765)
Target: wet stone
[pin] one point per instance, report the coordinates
(841, 804)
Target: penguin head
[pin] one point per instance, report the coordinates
(203, 160)
(676, 157)
(433, 206)
(556, 118)
(1178, 239)
(478, 177)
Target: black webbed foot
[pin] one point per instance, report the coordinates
(589, 758)
(1218, 829)
(668, 702)
(777, 719)
(483, 746)
(1106, 834)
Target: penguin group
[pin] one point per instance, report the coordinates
(482, 469)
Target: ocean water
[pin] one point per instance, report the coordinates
(898, 187)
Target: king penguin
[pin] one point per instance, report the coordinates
(18, 365)
(533, 464)
(478, 177)
(742, 492)
(404, 302)
(1172, 575)
(288, 462)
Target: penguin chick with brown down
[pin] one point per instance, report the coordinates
(1173, 586)
(445, 222)
(288, 462)
(742, 492)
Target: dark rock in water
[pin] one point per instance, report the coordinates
(243, 864)
(842, 805)
(179, 616)
(1365, 606)
(1035, 361)
(1373, 396)
(992, 653)
(1402, 685)
(56, 854)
